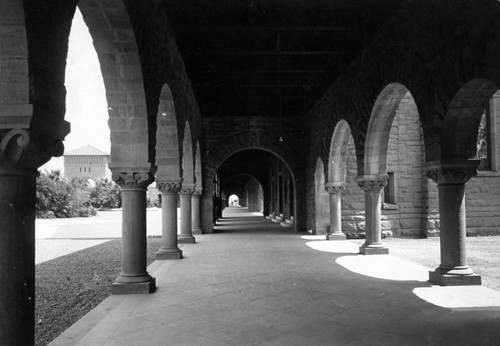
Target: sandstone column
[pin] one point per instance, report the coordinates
(169, 249)
(134, 277)
(372, 186)
(21, 152)
(335, 192)
(451, 177)
(196, 211)
(186, 235)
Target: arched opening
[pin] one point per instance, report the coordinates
(394, 140)
(322, 200)
(234, 201)
(84, 81)
(262, 182)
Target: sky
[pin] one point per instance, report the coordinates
(86, 106)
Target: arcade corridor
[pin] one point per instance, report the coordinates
(256, 283)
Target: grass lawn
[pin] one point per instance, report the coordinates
(70, 286)
(483, 255)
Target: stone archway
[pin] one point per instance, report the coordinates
(374, 174)
(245, 141)
(454, 169)
(188, 187)
(168, 175)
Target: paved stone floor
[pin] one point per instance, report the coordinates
(256, 283)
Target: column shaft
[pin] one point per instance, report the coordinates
(169, 248)
(196, 212)
(186, 235)
(335, 196)
(451, 177)
(134, 277)
(17, 257)
(373, 230)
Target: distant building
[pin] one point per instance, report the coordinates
(86, 162)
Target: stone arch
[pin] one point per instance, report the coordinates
(167, 139)
(252, 140)
(379, 127)
(462, 119)
(197, 167)
(322, 203)
(114, 40)
(188, 177)
(338, 153)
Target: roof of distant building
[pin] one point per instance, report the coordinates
(86, 151)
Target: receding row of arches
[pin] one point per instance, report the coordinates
(393, 172)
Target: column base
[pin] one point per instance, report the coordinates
(336, 236)
(165, 254)
(186, 239)
(373, 250)
(133, 287)
(197, 231)
(454, 280)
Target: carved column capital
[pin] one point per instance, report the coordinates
(375, 183)
(334, 188)
(23, 149)
(187, 189)
(197, 192)
(133, 179)
(169, 186)
(452, 172)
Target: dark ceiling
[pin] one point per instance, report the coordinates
(253, 58)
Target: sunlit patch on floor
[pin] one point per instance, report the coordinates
(460, 297)
(384, 267)
(333, 246)
(313, 237)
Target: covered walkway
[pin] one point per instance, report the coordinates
(254, 282)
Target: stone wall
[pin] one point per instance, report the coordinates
(482, 192)
(254, 195)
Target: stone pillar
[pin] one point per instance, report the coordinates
(335, 192)
(169, 249)
(451, 177)
(186, 236)
(196, 211)
(372, 186)
(17, 256)
(21, 152)
(134, 277)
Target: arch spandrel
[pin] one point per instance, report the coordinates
(338, 152)
(167, 139)
(459, 134)
(379, 127)
(188, 177)
(117, 51)
(197, 169)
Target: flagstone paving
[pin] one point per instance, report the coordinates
(256, 283)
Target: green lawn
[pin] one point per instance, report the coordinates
(70, 286)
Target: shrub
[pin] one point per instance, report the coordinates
(105, 195)
(58, 197)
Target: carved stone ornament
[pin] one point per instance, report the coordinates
(169, 186)
(334, 188)
(452, 172)
(12, 146)
(197, 192)
(187, 189)
(372, 184)
(132, 179)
